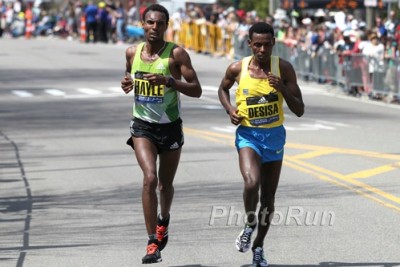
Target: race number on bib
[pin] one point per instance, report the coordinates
(145, 92)
(263, 110)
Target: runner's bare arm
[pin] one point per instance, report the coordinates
(126, 83)
(232, 75)
(287, 85)
(181, 65)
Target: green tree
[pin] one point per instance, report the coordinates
(261, 7)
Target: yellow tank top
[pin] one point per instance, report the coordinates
(258, 102)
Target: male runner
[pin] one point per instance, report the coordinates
(264, 81)
(154, 70)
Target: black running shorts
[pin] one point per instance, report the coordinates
(166, 136)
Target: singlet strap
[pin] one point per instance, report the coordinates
(139, 49)
(245, 67)
(275, 66)
(167, 50)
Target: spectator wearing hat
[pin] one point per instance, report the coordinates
(374, 51)
(104, 22)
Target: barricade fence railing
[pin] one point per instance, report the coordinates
(203, 37)
(354, 73)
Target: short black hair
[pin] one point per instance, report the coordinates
(261, 27)
(156, 7)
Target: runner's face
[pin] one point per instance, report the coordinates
(154, 26)
(261, 44)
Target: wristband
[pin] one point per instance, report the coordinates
(169, 82)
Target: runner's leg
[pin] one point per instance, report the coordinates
(270, 173)
(146, 155)
(250, 163)
(169, 162)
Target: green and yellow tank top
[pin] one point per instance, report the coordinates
(258, 102)
(154, 103)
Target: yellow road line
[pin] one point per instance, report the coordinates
(313, 154)
(319, 172)
(371, 172)
(206, 135)
(338, 183)
(363, 153)
(343, 178)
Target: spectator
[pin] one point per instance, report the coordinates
(380, 28)
(374, 51)
(391, 70)
(120, 16)
(390, 23)
(132, 16)
(103, 22)
(45, 24)
(177, 20)
(91, 22)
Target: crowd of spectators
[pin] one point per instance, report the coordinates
(340, 32)
(109, 21)
(105, 21)
(374, 51)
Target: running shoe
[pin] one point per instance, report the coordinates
(243, 241)
(162, 232)
(259, 258)
(153, 254)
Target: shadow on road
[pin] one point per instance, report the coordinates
(336, 264)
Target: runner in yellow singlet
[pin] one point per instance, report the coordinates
(264, 82)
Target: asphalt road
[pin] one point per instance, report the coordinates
(70, 189)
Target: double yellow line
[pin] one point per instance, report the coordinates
(349, 181)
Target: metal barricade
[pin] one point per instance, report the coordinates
(354, 73)
(240, 47)
(351, 72)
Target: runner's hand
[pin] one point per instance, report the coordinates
(275, 81)
(235, 118)
(155, 79)
(127, 84)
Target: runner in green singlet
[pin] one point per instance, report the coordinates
(154, 72)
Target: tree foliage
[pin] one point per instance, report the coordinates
(261, 7)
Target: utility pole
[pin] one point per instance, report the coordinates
(138, 10)
(273, 5)
(370, 17)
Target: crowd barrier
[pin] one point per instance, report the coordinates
(355, 73)
(204, 38)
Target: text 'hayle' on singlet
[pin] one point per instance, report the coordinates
(154, 103)
(258, 102)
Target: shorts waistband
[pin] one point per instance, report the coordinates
(161, 125)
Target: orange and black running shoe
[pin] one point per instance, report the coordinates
(153, 254)
(162, 232)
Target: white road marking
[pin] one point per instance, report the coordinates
(227, 129)
(55, 92)
(78, 96)
(209, 88)
(89, 91)
(22, 93)
(116, 90)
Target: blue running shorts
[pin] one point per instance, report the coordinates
(268, 143)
